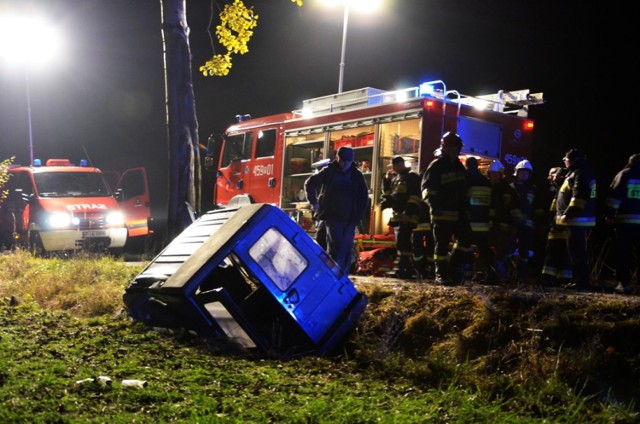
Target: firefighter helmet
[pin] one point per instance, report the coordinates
(574, 155)
(523, 164)
(496, 166)
(451, 138)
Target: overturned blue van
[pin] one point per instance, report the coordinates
(252, 275)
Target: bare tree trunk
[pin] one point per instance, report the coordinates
(182, 126)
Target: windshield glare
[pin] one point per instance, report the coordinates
(71, 184)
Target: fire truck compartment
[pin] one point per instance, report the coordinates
(251, 275)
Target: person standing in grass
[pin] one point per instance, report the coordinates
(444, 188)
(576, 211)
(623, 212)
(339, 196)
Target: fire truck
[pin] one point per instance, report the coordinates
(268, 159)
(60, 207)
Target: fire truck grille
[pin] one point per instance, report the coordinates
(91, 221)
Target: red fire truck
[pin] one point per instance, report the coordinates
(267, 160)
(59, 207)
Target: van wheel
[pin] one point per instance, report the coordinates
(35, 245)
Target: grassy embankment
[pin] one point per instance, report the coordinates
(420, 353)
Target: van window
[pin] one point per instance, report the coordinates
(266, 145)
(71, 184)
(236, 147)
(282, 269)
(133, 184)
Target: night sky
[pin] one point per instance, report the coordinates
(105, 99)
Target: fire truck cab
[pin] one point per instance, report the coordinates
(61, 207)
(268, 159)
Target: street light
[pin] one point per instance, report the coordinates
(27, 41)
(361, 5)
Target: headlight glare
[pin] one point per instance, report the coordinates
(115, 219)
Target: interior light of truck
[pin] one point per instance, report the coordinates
(59, 219)
(528, 125)
(115, 218)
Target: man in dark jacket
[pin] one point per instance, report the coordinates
(339, 195)
(623, 211)
(444, 188)
(576, 210)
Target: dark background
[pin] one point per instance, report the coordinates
(105, 97)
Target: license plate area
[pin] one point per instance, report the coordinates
(93, 234)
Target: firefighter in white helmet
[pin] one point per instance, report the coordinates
(506, 216)
(527, 193)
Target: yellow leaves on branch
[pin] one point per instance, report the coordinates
(233, 33)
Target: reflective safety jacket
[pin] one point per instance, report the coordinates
(623, 196)
(576, 199)
(479, 194)
(444, 188)
(403, 196)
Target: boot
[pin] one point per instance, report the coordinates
(442, 274)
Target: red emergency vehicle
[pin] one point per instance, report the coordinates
(268, 159)
(63, 207)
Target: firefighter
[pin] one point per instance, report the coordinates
(479, 193)
(402, 194)
(522, 184)
(444, 188)
(556, 269)
(339, 195)
(506, 216)
(576, 210)
(623, 212)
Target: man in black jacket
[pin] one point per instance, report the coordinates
(339, 195)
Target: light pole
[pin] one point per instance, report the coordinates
(26, 83)
(363, 5)
(27, 41)
(345, 25)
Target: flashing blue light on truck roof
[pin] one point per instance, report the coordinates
(83, 162)
(428, 88)
(37, 162)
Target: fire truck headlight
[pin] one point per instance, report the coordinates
(59, 220)
(115, 219)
